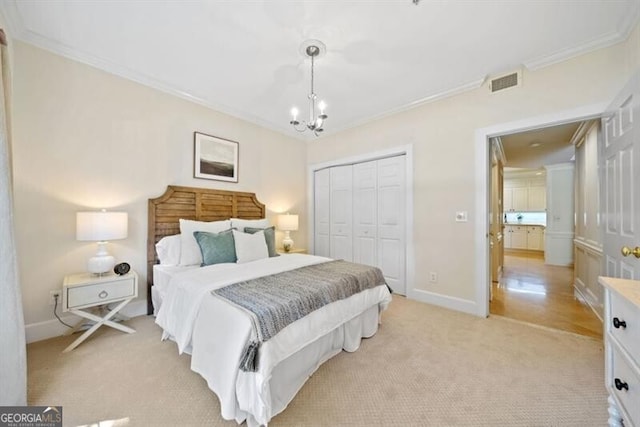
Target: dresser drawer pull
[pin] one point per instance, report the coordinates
(103, 294)
(621, 385)
(617, 323)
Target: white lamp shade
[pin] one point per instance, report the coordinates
(288, 222)
(101, 226)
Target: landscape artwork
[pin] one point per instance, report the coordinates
(215, 158)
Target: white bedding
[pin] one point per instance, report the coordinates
(188, 306)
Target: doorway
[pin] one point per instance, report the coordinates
(535, 280)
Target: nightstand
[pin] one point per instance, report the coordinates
(292, 251)
(84, 291)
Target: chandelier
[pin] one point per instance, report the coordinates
(312, 49)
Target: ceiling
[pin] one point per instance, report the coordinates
(243, 57)
(536, 148)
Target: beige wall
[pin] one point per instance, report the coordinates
(85, 139)
(442, 134)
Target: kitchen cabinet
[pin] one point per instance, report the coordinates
(530, 237)
(524, 196)
(536, 198)
(535, 238)
(516, 199)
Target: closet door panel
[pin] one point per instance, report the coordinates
(341, 212)
(322, 226)
(364, 213)
(391, 221)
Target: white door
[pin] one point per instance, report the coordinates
(322, 226)
(341, 212)
(620, 204)
(391, 221)
(365, 218)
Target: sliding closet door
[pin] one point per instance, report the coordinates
(391, 221)
(322, 222)
(341, 216)
(365, 216)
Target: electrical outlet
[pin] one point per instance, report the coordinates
(433, 277)
(52, 297)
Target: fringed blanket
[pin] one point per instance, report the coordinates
(275, 301)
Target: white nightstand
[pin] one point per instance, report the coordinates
(292, 251)
(85, 291)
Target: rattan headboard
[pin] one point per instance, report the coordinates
(201, 204)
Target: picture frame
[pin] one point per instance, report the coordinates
(215, 158)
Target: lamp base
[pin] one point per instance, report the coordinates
(287, 242)
(100, 264)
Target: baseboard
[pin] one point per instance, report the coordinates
(452, 303)
(53, 328)
(589, 298)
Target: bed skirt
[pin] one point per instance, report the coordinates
(287, 377)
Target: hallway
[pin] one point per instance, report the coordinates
(533, 292)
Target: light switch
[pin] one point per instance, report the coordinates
(461, 216)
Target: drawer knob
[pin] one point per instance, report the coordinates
(617, 323)
(103, 294)
(621, 384)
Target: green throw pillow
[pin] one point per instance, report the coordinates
(216, 248)
(269, 237)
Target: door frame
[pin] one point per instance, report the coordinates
(483, 185)
(407, 151)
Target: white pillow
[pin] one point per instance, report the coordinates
(240, 224)
(168, 250)
(250, 247)
(190, 252)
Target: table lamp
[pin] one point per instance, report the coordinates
(287, 223)
(101, 227)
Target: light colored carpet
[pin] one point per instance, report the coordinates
(426, 366)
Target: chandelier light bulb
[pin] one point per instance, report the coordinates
(294, 113)
(322, 106)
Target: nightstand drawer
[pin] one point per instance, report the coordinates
(100, 293)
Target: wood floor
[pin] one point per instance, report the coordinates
(533, 292)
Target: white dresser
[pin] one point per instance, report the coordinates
(622, 350)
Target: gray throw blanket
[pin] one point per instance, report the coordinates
(275, 301)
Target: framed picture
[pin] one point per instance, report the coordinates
(215, 158)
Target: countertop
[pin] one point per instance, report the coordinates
(525, 223)
(629, 289)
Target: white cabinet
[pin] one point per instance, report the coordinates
(622, 350)
(524, 195)
(535, 238)
(515, 199)
(518, 237)
(530, 237)
(360, 216)
(536, 198)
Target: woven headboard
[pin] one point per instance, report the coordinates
(200, 204)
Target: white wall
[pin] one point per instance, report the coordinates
(442, 134)
(86, 139)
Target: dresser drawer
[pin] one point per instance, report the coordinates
(627, 389)
(626, 317)
(100, 293)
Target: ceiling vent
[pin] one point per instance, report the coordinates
(506, 81)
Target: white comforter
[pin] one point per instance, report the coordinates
(223, 330)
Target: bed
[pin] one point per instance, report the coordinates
(217, 333)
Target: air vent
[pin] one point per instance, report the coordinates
(505, 82)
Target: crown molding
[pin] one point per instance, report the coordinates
(413, 104)
(625, 27)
